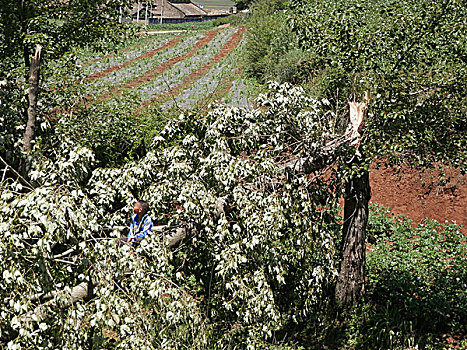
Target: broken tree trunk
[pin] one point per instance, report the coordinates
(32, 99)
(350, 282)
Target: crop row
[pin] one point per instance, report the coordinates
(137, 48)
(188, 71)
(212, 70)
(173, 73)
(114, 76)
(157, 68)
(182, 75)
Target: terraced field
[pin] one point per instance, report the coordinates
(183, 71)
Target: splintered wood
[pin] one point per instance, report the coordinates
(357, 114)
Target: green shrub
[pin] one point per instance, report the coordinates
(231, 19)
(416, 285)
(269, 39)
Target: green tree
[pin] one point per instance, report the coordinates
(269, 43)
(243, 4)
(52, 28)
(410, 56)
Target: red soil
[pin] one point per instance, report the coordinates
(420, 193)
(117, 67)
(152, 73)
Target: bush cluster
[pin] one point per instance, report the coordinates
(271, 50)
(416, 285)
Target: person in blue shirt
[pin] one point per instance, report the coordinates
(140, 225)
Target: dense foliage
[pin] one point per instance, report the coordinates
(259, 263)
(271, 50)
(410, 56)
(243, 4)
(57, 26)
(262, 263)
(417, 277)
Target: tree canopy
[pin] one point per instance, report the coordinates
(410, 56)
(260, 251)
(243, 4)
(57, 26)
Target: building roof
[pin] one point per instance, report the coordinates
(189, 9)
(217, 12)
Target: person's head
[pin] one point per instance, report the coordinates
(141, 207)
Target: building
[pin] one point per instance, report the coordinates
(174, 11)
(138, 12)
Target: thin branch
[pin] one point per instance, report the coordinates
(65, 253)
(42, 296)
(65, 261)
(31, 187)
(4, 173)
(159, 228)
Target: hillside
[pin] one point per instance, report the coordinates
(235, 197)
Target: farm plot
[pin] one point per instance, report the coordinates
(122, 56)
(185, 71)
(171, 78)
(99, 82)
(95, 71)
(199, 95)
(190, 72)
(157, 69)
(208, 84)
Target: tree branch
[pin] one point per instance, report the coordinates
(325, 155)
(23, 180)
(60, 299)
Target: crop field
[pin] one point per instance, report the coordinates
(183, 71)
(216, 4)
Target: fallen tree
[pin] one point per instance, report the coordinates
(238, 240)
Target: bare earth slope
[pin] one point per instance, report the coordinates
(420, 193)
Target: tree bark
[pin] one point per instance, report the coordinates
(350, 282)
(43, 311)
(32, 98)
(137, 13)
